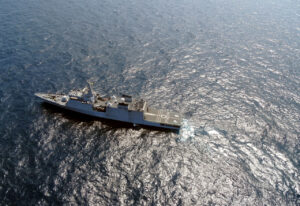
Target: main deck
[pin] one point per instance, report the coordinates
(162, 117)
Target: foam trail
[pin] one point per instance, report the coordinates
(187, 131)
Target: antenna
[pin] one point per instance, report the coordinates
(90, 84)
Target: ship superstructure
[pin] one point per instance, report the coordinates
(124, 108)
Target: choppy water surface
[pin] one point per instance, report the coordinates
(232, 68)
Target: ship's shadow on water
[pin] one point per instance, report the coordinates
(76, 117)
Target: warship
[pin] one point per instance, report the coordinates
(124, 108)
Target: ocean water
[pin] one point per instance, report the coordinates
(231, 67)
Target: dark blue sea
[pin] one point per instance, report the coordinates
(230, 67)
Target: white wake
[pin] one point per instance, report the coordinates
(187, 131)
